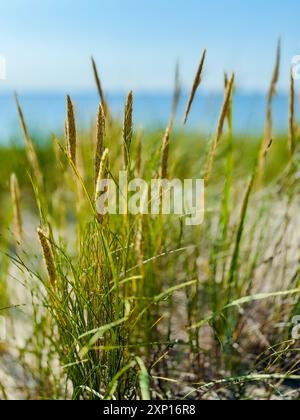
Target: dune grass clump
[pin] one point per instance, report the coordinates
(144, 306)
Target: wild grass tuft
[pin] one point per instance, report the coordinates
(143, 306)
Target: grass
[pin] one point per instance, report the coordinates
(140, 307)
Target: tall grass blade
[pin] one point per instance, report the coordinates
(195, 86)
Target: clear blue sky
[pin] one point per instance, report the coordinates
(47, 43)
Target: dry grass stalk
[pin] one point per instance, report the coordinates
(226, 82)
(138, 165)
(165, 154)
(195, 86)
(128, 129)
(103, 172)
(268, 135)
(232, 280)
(271, 94)
(166, 138)
(100, 139)
(70, 130)
(99, 88)
(218, 135)
(48, 255)
(139, 248)
(292, 116)
(66, 132)
(176, 96)
(16, 201)
(30, 149)
(268, 147)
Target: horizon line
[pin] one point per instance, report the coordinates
(138, 92)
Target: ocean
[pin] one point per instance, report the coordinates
(45, 113)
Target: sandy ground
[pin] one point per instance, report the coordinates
(275, 271)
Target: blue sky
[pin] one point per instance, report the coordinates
(48, 43)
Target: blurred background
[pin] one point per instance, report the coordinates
(136, 43)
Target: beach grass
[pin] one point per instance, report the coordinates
(142, 306)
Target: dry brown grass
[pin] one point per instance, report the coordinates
(292, 116)
(71, 131)
(165, 154)
(16, 202)
(268, 135)
(30, 149)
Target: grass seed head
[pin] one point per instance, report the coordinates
(48, 255)
(99, 88)
(30, 149)
(16, 202)
(291, 135)
(71, 130)
(165, 154)
(128, 129)
(100, 139)
(195, 86)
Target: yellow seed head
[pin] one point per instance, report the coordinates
(100, 140)
(128, 128)
(16, 201)
(70, 130)
(218, 135)
(165, 154)
(195, 86)
(30, 149)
